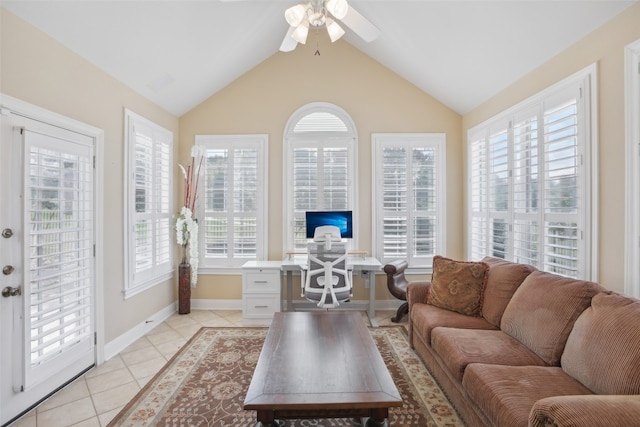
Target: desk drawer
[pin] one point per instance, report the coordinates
(262, 281)
(257, 306)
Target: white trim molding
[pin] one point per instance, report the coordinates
(632, 155)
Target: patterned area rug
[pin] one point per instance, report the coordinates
(205, 383)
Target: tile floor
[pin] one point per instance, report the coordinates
(95, 398)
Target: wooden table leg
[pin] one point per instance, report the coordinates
(266, 419)
(378, 418)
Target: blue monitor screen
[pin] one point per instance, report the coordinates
(341, 219)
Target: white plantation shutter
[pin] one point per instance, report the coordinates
(525, 189)
(233, 204)
(499, 192)
(533, 172)
(561, 193)
(305, 190)
(408, 197)
(478, 193)
(320, 121)
(59, 243)
(320, 182)
(150, 235)
(395, 217)
(319, 167)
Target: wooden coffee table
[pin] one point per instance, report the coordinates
(320, 365)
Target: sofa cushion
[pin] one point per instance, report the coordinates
(458, 285)
(503, 280)
(506, 394)
(603, 349)
(458, 348)
(425, 317)
(542, 312)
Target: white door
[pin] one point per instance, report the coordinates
(47, 218)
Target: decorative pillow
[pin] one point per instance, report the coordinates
(458, 285)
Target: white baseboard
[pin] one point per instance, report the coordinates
(115, 346)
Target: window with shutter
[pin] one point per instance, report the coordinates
(232, 201)
(537, 181)
(408, 198)
(319, 168)
(149, 192)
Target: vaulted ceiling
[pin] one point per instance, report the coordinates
(177, 53)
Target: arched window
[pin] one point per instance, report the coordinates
(320, 143)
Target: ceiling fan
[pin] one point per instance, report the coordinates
(316, 14)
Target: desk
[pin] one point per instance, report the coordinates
(366, 266)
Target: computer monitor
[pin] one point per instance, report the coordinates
(341, 219)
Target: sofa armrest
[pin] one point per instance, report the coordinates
(595, 410)
(417, 292)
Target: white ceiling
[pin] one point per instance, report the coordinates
(461, 52)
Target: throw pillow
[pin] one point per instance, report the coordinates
(458, 285)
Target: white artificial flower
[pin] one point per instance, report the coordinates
(196, 151)
(187, 235)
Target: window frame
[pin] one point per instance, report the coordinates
(436, 141)
(158, 273)
(320, 139)
(584, 81)
(632, 200)
(259, 142)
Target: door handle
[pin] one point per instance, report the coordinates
(7, 270)
(11, 292)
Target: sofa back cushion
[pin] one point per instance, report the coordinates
(503, 280)
(603, 349)
(458, 285)
(542, 312)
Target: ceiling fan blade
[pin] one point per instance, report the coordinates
(360, 25)
(289, 43)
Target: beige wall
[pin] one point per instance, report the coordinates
(605, 46)
(378, 100)
(38, 70)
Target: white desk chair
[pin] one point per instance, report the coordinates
(327, 280)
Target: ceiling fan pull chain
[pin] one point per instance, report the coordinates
(317, 45)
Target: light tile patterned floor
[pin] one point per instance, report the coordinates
(96, 397)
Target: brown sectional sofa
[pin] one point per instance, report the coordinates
(545, 351)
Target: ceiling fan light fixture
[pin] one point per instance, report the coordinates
(300, 33)
(338, 8)
(295, 15)
(334, 29)
(317, 18)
